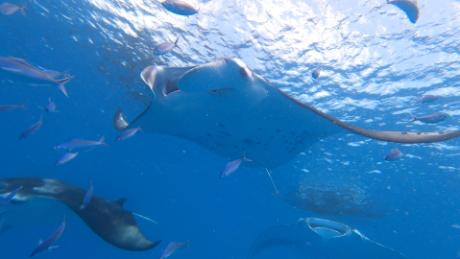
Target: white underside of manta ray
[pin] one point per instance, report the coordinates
(225, 107)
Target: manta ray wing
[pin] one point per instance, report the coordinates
(109, 220)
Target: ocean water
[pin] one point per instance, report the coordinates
(374, 63)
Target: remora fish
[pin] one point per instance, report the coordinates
(21, 67)
(179, 7)
(10, 9)
(47, 243)
(81, 143)
(256, 118)
(108, 219)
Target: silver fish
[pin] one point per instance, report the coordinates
(432, 118)
(81, 143)
(394, 154)
(46, 244)
(231, 167)
(67, 157)
(11, 107)
(10, 9)
(171, 248)
(32, 129)
(21, 67)
(427, 98)
(165, 47)
(179, 7)
(128, 133)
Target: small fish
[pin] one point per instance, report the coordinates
(10, 9)
(88, 196)
(32, 129)
(81, 143)
(315, 73)
(179, 7)
(67, 157)
(46, 244)
(409, 7)
(8, 198)
(432, 118)
(128, 133)
(165, 47)
(427, 98)
(172, 247)
(21, 67)
(394, 154)
(231, 167)
(11, 107)
(51, 106)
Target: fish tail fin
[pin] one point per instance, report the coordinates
(102, 141)
(61, 84)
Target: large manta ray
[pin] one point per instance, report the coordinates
(225, 107)
(107, 219)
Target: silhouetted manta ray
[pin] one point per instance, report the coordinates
(225, 107)
(321, 238)
(107, 219)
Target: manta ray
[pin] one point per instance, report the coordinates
(108, 219)
(320, 238)
(225, 107)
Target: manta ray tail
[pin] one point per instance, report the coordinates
(121, 123)
(403, 137)
(109, 220)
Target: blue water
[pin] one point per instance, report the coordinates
(374, 65)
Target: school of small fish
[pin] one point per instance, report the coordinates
(33, 73)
